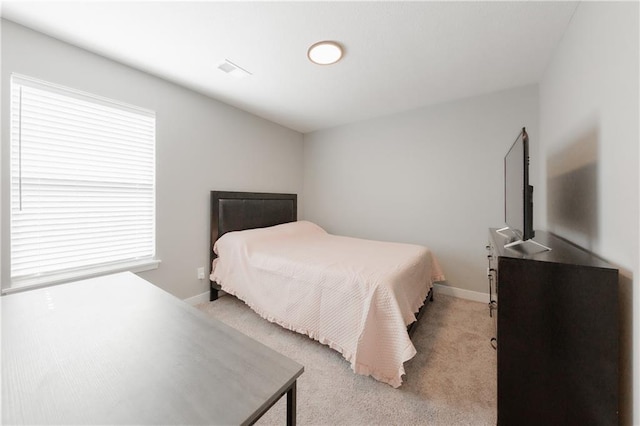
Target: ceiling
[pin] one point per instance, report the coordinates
(398, 55)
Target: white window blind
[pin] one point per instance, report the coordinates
(82, 183)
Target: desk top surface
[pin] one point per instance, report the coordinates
(119, 350)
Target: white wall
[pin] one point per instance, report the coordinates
(202, 145)
(432, 176)
(589, 157)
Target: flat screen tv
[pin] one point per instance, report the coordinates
(518, 194)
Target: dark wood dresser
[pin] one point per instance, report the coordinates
(557, 333)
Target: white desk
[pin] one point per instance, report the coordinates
(119, 350)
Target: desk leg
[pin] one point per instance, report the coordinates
(291, 405)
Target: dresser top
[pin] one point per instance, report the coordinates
(562, 251)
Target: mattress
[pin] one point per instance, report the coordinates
(357, 296)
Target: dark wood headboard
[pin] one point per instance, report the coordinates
(235, 211)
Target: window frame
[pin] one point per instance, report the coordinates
(10, 284)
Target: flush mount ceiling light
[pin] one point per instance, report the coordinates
(325, 52)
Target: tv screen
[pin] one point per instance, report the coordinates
(518, 194)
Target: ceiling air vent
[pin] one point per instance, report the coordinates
(232, 69)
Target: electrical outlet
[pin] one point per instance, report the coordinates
(201, 273)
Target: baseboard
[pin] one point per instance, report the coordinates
(199, 298)
(461, 293)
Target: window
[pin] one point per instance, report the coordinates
(82, 184)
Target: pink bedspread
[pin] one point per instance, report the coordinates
(356, 296)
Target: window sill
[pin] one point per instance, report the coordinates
(37, 282)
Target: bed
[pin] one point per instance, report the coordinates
(360, 297)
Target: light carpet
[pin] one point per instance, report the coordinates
(451, 381)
